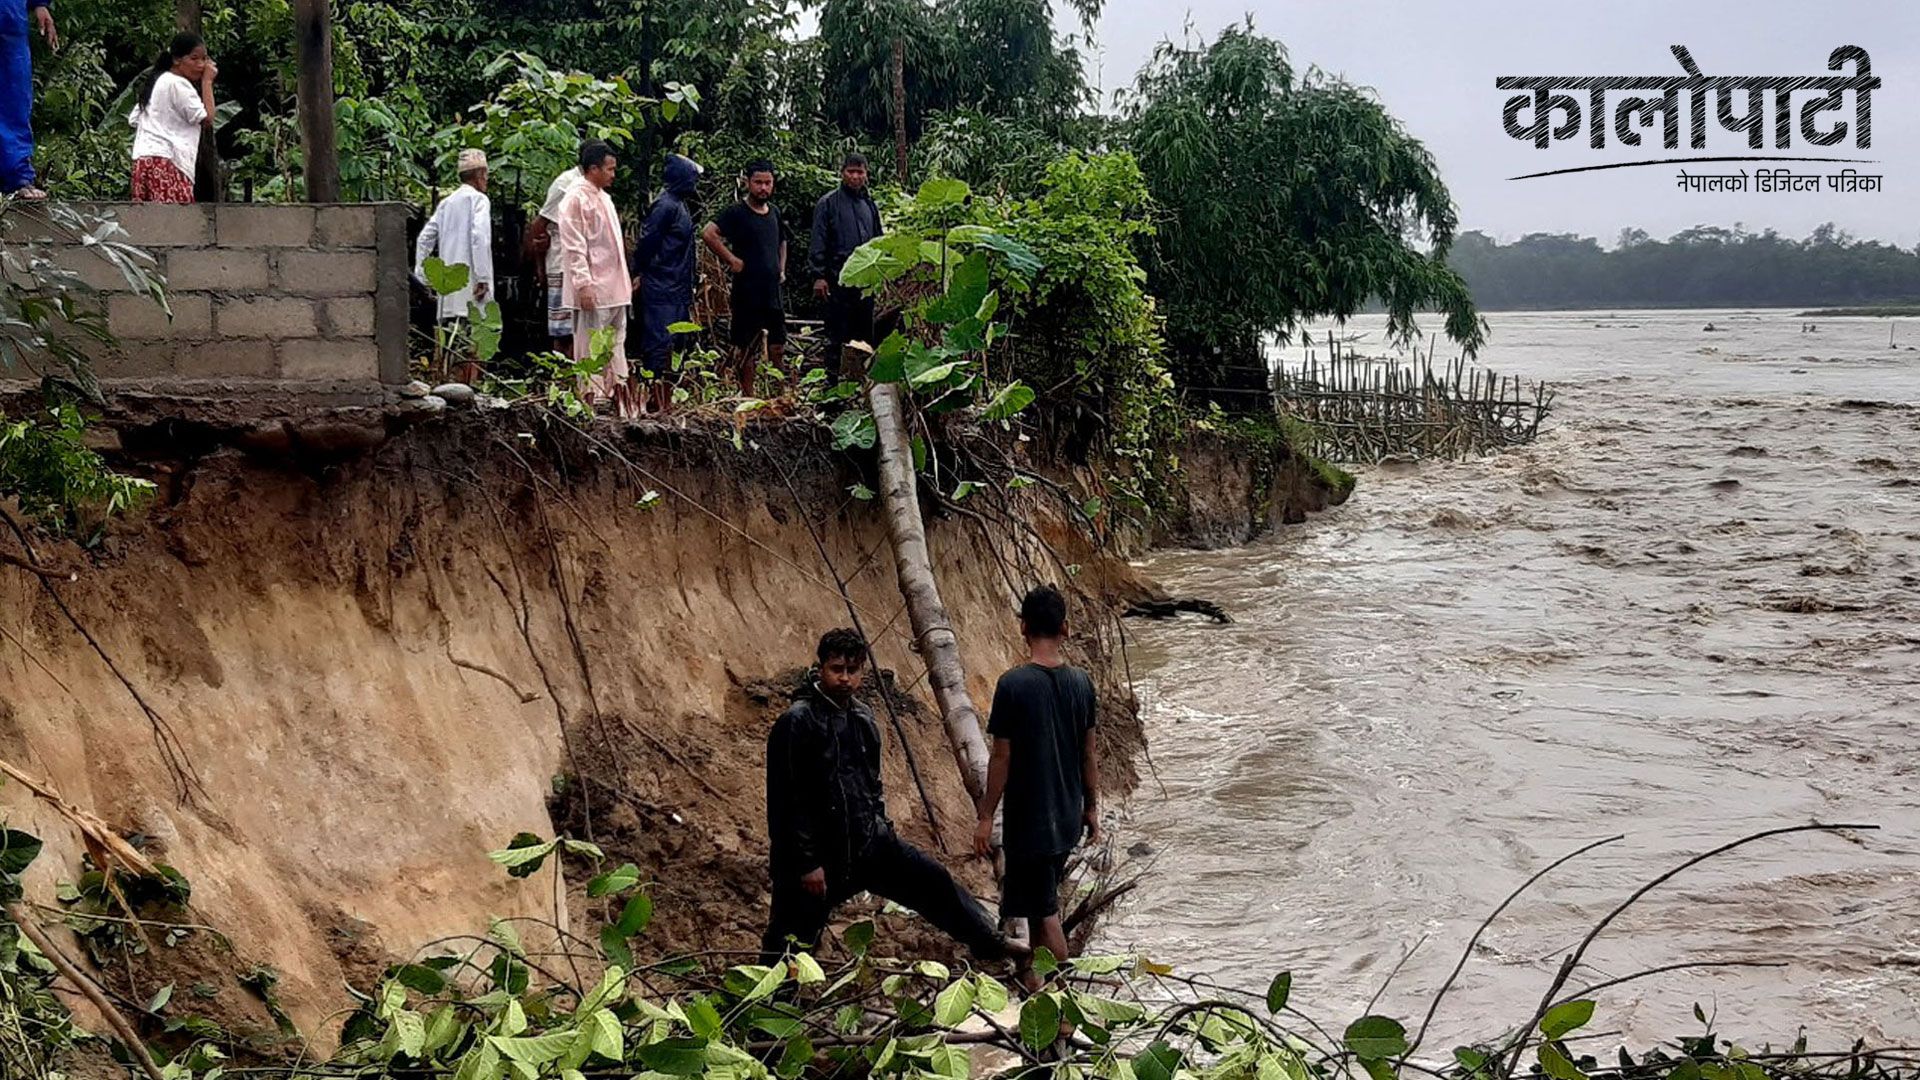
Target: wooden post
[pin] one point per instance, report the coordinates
(313, 55)
(900, 107)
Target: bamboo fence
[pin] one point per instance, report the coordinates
(1363, 409)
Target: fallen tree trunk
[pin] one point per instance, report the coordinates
(932, 633)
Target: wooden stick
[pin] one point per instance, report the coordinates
(88, 988)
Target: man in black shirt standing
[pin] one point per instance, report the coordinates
(1044, 763)
(751, 240)
(843, 219)
(827, 819)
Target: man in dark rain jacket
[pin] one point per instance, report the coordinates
(827, 818)
(663, 268)
(843, 219)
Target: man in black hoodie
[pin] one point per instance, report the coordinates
(827, 819)
(663, 273)
(843, 219)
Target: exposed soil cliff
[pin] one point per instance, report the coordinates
(370, 651)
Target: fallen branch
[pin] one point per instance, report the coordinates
(87, 987)
(1167, 609)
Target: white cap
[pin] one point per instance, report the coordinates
(471, 159)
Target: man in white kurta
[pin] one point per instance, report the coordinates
(461, 232)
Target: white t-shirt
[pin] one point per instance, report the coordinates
(168, 126)
(557, 194)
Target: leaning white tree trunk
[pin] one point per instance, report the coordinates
(937, 644)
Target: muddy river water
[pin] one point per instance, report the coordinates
(1691, 611)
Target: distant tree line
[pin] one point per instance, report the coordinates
(1705, 266)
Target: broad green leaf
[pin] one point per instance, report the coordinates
(1470, 1058)
(628, 875)
(684, 327)
(675, 1057)
(523, 854)
(963, 489)
(614, 945)
(1010, 400)
(854, 428)
(932, 969)
(480, 1063)
(583, 848)
(513, 1020)
(954, 1004)
(990, 995)
(889, 360)
(967, 234)
(1157, 1062)
(919, 447)
(806, 970)
(1376, 1038)
(768, 983)
(605, 1035)
(420, 977)
(1555, 1064)
(885, 1055)
(635, 916)
(703, 1019)
(410, 1034)
(444, 278)
(861, 492)
(1092, 507)
(442, 1028)
(1277, 991)
(1044, 962)
(795, 1058)
(950, 1062)
(613, 983)
(936, 374)
(859, 937)
(1019, 257)
(941, 193)
(1040, 1021)
(533, 1049)
(988, 307)
(164, 995)
(1565, 1017)
(17, 849)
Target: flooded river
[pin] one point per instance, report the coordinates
(1690, 612)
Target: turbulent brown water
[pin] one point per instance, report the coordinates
(1690, 612)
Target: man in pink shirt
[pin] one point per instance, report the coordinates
(597, 287)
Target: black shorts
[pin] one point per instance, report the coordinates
(1031, 888)
(748, 321)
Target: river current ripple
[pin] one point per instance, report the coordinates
(1689, 612)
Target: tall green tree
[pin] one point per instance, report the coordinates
(1283, 198)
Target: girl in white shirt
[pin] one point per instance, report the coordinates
(176, 105)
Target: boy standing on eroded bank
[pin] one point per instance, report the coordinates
(1044, 763)
(827, 819)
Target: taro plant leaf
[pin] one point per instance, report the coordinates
(854, 428)
(523, 854)
(1555, 1064)
(941, 193)
(17, 849)
(1156, 1062)
(1019, 257)
(1040, 1021)
(1009, 401)
(1565, 1017)
(446, 278)
(1278, 990)
(889, 360)
(484, 328)
(1376, 1038)
(675, 1057)
(628, 875)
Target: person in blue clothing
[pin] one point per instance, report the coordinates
(16, 92)
(663, 276)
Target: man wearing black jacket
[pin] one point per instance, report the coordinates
(843, 219)
(827, 818)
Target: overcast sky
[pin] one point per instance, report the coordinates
(1433, 64)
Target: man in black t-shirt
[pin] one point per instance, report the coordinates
(752, 241)
(1044, 763)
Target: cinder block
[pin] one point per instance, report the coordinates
(218, 270)
(268, 317)
(248, 358)
(151, 225)
(265, 226)
(135, 360)
(344, 359)
(132, 316)
(326, 273)
(345, 227)
(351, 317)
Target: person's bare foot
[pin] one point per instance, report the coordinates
(31, 194)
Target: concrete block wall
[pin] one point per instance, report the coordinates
(272, 292)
